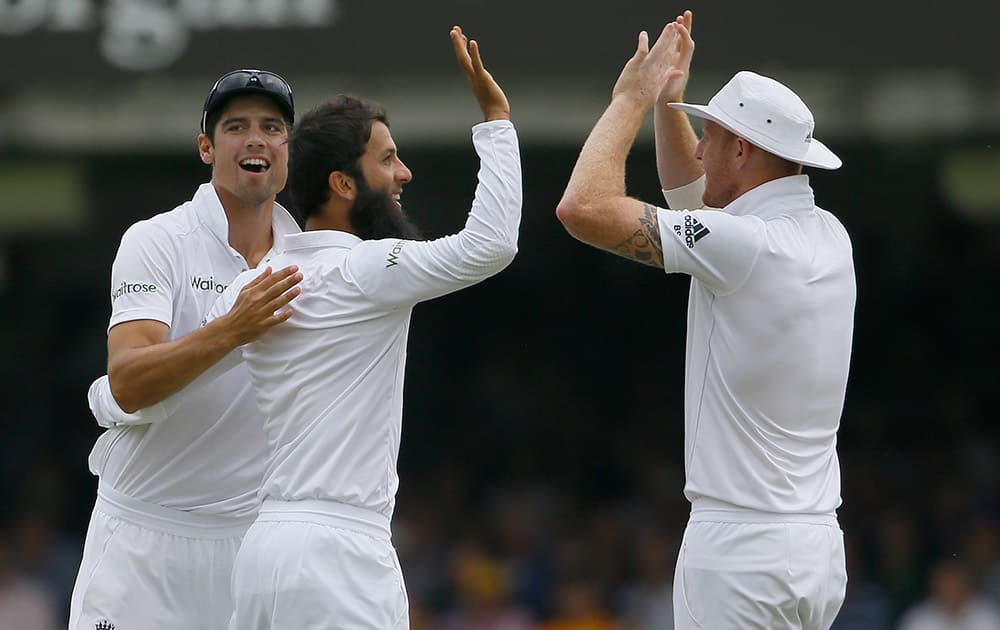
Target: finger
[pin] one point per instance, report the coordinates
(280, 287)
(477, 60)
(668, 30)
(258, 279)
(686, 43)
(643, 47)
(281, 317)
(460, 43)
(276, 277)
(283, 300)
(688, 20)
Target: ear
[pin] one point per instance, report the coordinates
(342, 185)
(743, 151)
(206, 149)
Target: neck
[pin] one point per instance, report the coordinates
(249, 226)
(330, 217)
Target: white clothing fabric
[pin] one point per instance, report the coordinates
(770, 324)
(318, 564)
(146, 567)
(330, 379)
(196, 457)
(202, 448)
(330, 383)
(758, 575)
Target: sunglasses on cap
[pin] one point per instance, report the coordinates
(249, 81)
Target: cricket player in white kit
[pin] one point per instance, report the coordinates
(181, 462)
(770, 324)
(330, 379)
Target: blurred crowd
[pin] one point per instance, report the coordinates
(572, 554)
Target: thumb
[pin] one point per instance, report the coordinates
(642, 49)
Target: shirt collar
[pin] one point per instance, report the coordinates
(210, 211)
(774, 198)
(320, 238)
(213, 216)
(283, 225)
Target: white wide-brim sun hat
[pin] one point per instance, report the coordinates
(769, 115)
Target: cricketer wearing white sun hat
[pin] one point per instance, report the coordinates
(769, 115)
(769, 329)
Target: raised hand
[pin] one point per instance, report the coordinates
(673, 90)
(259, 305)
(491, 98)
(651, 69)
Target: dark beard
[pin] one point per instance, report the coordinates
(375, 216)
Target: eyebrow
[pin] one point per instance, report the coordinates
(246, 119)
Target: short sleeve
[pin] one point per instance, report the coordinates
(717, 248)
(142, 276)
(686, 197)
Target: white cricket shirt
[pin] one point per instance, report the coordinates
(202, 449)
(330, 379)
(770, 324)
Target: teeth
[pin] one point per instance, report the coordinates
(254, 162)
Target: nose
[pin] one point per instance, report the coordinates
(699, 150)
(403, 173)
(255, 138)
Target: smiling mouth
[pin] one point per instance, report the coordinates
(255, 165)
(395, 198)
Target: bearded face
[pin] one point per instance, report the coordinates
(376, 215)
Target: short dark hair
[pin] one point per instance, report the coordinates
(330, 137)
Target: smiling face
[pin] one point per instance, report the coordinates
(377, 211)
(382, 169)
(249, 154)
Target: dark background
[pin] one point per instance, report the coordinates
(541, 466)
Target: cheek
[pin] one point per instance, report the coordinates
(386, 177)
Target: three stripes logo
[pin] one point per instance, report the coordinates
(104, 624)
(692, 231)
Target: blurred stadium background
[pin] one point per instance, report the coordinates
(541, 463)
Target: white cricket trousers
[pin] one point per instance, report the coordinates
(312, 565)
(742, 570)
(147, 567)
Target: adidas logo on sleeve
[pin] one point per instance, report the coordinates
(692, 231)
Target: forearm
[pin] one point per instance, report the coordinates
(109, 414)
(676, 143)
(600, 170)
(144, 376)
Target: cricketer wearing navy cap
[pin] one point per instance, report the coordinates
(182, 460)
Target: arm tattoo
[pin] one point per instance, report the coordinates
(644, 244)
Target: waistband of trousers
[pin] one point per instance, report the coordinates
(164, 519)
(706, 510)
(332, 513)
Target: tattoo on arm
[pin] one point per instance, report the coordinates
(644, 244)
